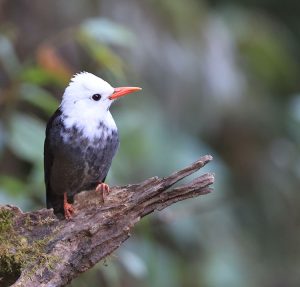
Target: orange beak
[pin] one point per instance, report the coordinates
(122, 91)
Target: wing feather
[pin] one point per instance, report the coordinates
(49, 159)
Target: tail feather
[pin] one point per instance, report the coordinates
(54, 201)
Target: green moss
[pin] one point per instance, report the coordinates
(10, 269)
(28, 222)
(18, 252)
(5, 220)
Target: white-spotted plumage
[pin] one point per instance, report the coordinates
(81, 140)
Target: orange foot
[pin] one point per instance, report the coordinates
(103, 188)
(68, 208)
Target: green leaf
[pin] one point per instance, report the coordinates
(39, 76)
(11, 185)
(26, 137)
(38, 97)
(107, 32)
(8, 57)
(102, 54)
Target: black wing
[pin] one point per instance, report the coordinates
(49, 158)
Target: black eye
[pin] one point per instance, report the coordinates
(96, 97)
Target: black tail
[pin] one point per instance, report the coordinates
(54, 201)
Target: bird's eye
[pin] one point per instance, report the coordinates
(96, 97)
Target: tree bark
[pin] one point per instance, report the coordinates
(38, 249)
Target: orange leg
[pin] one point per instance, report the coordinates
(104, 189)
(68, 208)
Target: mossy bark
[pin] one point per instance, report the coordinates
(38, 249)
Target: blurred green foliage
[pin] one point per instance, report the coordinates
(219, 77)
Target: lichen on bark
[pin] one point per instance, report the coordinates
(46, 251)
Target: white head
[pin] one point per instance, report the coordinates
(86, 102)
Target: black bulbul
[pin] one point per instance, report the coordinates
(81, 141)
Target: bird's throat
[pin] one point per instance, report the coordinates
(89, 127)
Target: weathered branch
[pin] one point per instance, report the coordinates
(37, 249)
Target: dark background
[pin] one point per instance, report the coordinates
(218, 77)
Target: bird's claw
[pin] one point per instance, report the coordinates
(69, 210)
(104, 189)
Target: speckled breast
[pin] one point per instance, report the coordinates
(84, 162)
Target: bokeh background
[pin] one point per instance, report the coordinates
(219, 77)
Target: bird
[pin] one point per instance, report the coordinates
(81, 141)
